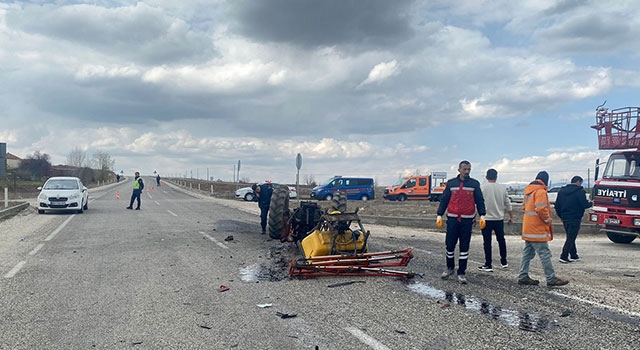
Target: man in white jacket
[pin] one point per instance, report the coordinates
(497, 202)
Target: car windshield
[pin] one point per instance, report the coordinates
(400, 181)
(61, 185)
(326, 182)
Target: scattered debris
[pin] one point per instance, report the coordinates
(223, 288)
(281, 315)
(400, 332)
(628, 275)
(344, 284)
(229, 238)
(205, 326)
(264, 305)
(565, 313)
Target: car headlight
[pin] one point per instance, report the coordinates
(42, 197)
(74, 196)
(634, 198)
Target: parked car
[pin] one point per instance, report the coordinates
(63, 193)
(247, 194)
(517, 196)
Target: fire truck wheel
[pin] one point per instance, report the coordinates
(618, 238)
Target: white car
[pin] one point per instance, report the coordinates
(553, 194)
(517, 196)
(246, 193)
(63, 193)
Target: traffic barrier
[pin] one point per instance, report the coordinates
(117, 194)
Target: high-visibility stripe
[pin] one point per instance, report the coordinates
(462, 188)
(528, 212)
(536, 235)
(452, 215)
(541, 205)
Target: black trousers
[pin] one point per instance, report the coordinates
(496, 226)
(571, 227)
(135, 196)
(458, 231)
(264, 211)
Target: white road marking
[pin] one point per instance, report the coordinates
(36, 249)
(158, 203)
(220, 244)
(172, 213)
(594, 303)
(366, 339)
(15, 269)
(149, 194)
(54, 233)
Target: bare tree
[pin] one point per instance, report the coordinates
(77, 158)
(104, 164)
(310, 180)
(36, 166)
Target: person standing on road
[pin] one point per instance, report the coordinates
(263, 197)
(138, 186)
(570, 206)
(497, 202)
(158, 180)
(537, 231)
(460, 199)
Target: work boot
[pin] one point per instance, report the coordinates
(528, 281)
(445, 275)
(555, 282)
(128, 208)
(264, 232)
(462, 279)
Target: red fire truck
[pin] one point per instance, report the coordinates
(616, 196)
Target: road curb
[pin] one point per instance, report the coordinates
(13, 210)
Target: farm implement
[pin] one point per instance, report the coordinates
(333, 242)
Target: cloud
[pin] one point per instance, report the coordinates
(381, 72)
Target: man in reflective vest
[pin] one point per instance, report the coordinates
(460, 199)
(537, 231)
(138, 185)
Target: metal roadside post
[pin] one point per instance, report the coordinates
(298, 165)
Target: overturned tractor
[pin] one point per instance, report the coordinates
(331, 242)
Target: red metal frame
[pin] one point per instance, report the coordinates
(364, 264)
(618, 128)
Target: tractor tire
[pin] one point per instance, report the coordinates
(278, 212)
(339, 202)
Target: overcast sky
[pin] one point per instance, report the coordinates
(362, 88)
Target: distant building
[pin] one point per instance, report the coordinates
(13, 162)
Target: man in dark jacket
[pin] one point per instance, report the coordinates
(263, 197)
(460, 199)
(570, 206)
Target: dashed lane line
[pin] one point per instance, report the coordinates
(36, 249)
(366, 339)
(594, 303)
(172, 213)
(15, 269)
(55, 232)
(220, 244)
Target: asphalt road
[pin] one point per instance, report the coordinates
(113, 278)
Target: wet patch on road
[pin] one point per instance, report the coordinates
(514, 318)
